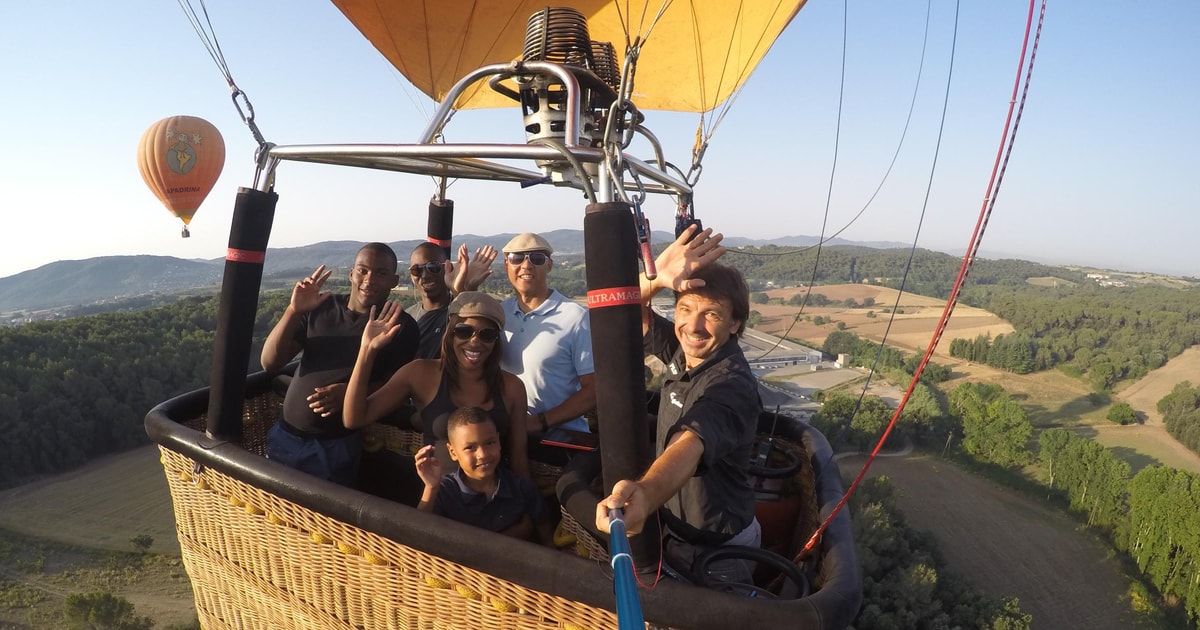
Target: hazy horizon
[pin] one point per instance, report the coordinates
(1102, 174)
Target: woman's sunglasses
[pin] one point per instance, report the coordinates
(432, 267)
(463, 332)
(537, 258)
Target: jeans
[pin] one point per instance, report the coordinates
(334, 459)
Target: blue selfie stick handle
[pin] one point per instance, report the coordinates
(629, 607)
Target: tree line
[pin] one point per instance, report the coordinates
(1153, 517)
(1103, 334)
(75, 389)
(905, 580)
(1181, 414)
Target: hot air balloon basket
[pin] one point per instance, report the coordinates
(267, 546)
(257, 560)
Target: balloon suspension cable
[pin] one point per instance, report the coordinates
(1004, 152)
(241, 102)
(623, 121)
(825, 238)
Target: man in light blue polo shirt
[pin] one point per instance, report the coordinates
(549, 339)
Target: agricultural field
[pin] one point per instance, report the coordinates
(910, 330)
(1007, 544)
(71, 534)
(1144, 394)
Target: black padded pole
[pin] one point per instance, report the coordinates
(615, 305)
(440, 229)
(253, 214)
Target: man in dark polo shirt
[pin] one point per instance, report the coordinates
(707, 417)
(328, 328)
(428, 266)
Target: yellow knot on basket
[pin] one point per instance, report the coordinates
(374, 559)
(277, 520)
(437, 582)
(562, 537)
(372, 443)
(571, 626)
(466, 591)
(236, 502)
(502, 606)
(254, 510)
(582, 551)
(347, 549)
(203, 485)
(319, 538)
(185, 475)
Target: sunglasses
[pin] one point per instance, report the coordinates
(537, 258)
(432, 267)
(463, 332)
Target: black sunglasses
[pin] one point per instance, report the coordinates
(463, 332)
(537, 258)
(432, 267)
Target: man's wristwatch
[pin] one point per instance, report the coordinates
(542, 418)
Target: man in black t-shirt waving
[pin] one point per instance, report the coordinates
(309, 435)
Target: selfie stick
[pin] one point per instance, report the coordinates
(629, 607)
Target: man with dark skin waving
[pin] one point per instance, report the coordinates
(309, 434)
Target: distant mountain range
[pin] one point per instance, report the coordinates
(69, 283)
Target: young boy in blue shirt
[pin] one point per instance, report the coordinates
(481, 492)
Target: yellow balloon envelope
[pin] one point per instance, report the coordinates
(695, 56)
(180, 159)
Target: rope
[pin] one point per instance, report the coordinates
(829, 190)
(821, 241)
(208, 37)
(1008, 137)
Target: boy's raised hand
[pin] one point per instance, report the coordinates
(428, 466)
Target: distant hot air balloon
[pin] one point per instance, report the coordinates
(181, 158)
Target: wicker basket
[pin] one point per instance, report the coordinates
(269, 547)
(257, 561)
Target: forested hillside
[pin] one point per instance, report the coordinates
(75, 389)
(932, 273)
(1105, 334)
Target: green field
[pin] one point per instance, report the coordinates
(70, 534)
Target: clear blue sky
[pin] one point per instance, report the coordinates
(1106, 170)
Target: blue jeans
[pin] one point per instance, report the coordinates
(335, 459)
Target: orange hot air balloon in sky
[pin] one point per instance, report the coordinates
(181, 158)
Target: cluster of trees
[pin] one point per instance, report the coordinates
(1153, 517)
(858, 422)
(1181, 414)
(75, 389)
(905, 583)
(102, 611)
(1104, 334)
(995, 429)
(863, 353)
(1007, 352)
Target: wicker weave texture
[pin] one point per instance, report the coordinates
(257, 561)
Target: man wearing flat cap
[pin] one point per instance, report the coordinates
(549, 339)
